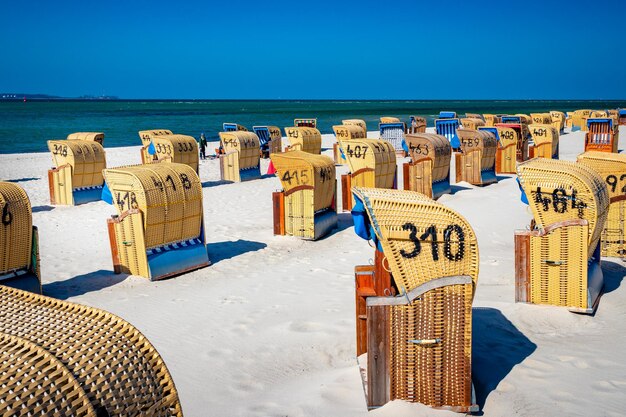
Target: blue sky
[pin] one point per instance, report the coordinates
(324, 49)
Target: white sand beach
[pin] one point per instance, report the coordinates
(269, 328)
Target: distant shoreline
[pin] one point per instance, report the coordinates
(254, 100)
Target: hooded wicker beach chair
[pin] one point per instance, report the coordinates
(65, 359)
(305, 123)
(159, 229)
(392, 130)
(181, 149)
(448, 129)
(93, 136)
(372, 164)
(558, 120)
(429, 169)
(476, 161)
(345, 133)
(233, 127)
(306, 206)
(611, 167)
(305, 139)
(472, 122)
(417, 124)
(359, 122)
(419, 342)
(491, 119)
(602, 135)
(579, 119)
(270, 139)
(522, 135)
(146, 139)
(545, 139)
(540, 118)
(557, 262)
(597, 114)
(19, 240)
(77, 175)
(241, 158)
(506, 149)
(621, 117)
(475, 116)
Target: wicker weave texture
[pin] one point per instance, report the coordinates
(297, 169)
(168, 195)
(86, 158)
(579, 118)
(247, 146)
(181, 149)
(389, 119)
(434, 147)
(472, 123)
(491, 119)
(347, 132)
(300, 213)
(400, 218)
(540, 118)
(117, 367)
(35, 383)
(306, 139)
(546, 139)
(558, 119)
(479, 140)
(562, 190)
(358, 122)
(91, 136)
(372, 162)
(611, 167)
(418, 124)
(146, 136)
(16, 225)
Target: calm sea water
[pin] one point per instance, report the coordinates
(26, 126)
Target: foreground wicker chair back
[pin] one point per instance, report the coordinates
(77, 175)
(305, 139)
(80, 361)
(92, 136)
(345, 133)
(419, 343)
(146, 139)
(476, 161)
(270, 139)
(611, 167)
(19, 240)
(372, 164)
(306, 206)
(242, 155)
(159, 231)
(558, 261)
(545, 141)
(429, 169)
(602, 135)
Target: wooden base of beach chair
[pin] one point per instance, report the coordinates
(230, 171)
(469, 169)
(130, 255)
(346, 193)
(63, 194)
(417, 176)
(291, 217)
(506, 159)
(542, 151)
(278, 204)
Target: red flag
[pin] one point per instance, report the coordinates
(270, 169)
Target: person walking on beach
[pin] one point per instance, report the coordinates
(202, 146)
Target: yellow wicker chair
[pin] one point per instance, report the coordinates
(242, 155)
(77, 175)
(180, 149)
(429, 169)
(558, 120)
(602, 135)
(611, 167)
(545, 141)
(372, 164)
(540, 118)
(93, 136)
(146, 138)
(596, 114)
(306, 206)
(472, 122)
(345, 133)
(359, 122)
(305, 139)
(159, 231)
(389, 119)
(579, 119)
(418, 343)
(417, 124)
(491, 119)
(476, 163)
(526, 119)
(19, 240)
(506, 149)
(521, 138)
(474, 116)
(558, 262)
(305, 123)
(72, 360)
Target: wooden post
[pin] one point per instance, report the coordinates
(51, 187)
(522, 266)
(278, 202)
(115, 256)
(346, 192)
(378, 389)
(364, 285)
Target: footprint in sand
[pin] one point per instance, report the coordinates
(234, 299)
(305, 327)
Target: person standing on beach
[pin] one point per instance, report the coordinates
(202, 146)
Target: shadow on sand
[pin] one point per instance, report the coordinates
(613, 273)
(37, 209)
(82, 284)
(24, 179)
(220, 251)
(497, 346)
